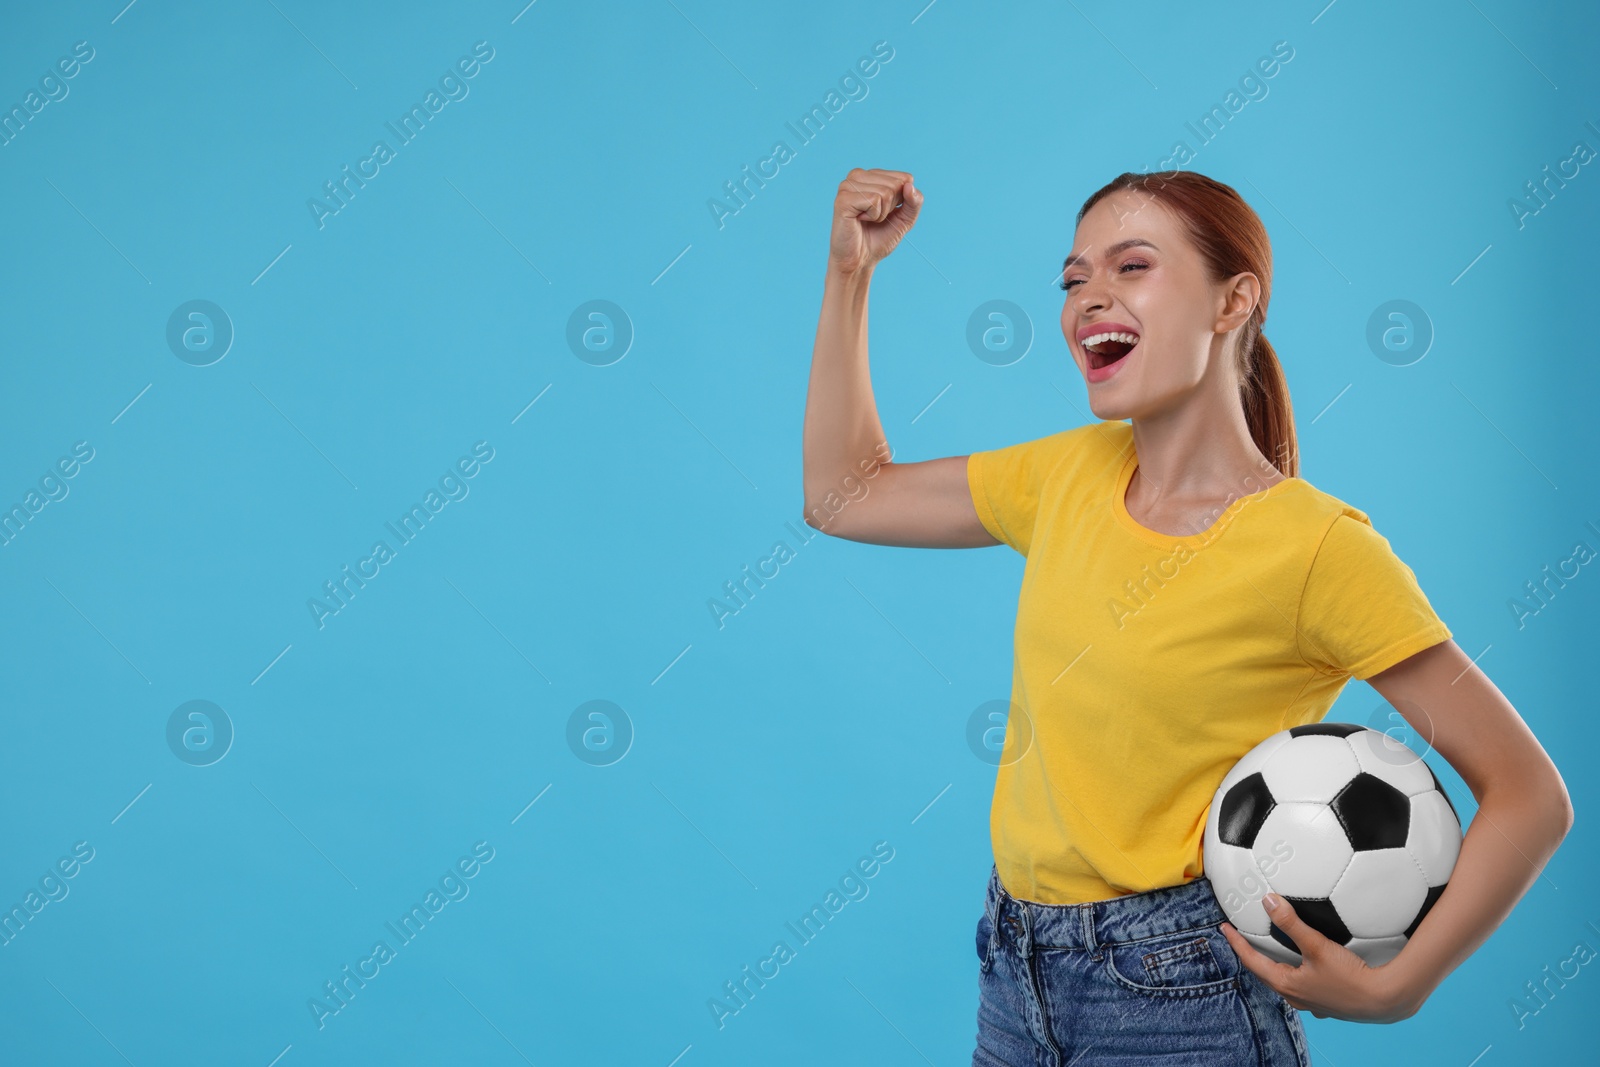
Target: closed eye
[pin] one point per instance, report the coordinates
(1132, 263)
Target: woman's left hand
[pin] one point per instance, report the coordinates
(1330, 980)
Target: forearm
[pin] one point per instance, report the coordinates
(843, 435)
(1506, 847)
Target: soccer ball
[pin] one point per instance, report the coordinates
(1348, 825)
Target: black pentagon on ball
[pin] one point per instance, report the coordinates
(1331, 729)
(1244, 808)
(1319, 914)
(1374, 813)
(1434, 892)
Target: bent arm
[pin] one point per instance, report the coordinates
(1524, 810)
(852, 490)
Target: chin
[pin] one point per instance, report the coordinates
(1108, 410)
(1102, 412)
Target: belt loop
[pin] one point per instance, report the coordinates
(993, 905)
(1089, 941)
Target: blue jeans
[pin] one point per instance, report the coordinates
(1130, 980)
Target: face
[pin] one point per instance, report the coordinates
(1135, 275)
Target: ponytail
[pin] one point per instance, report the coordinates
(1264, 392)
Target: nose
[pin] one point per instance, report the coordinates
(1090, 295)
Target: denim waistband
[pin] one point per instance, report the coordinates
(1156, 912)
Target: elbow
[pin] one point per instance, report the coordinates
(1563, 807)
(1542, 801)
(820, 519)
(824, 512)
(1555, 812)
(1558, 802)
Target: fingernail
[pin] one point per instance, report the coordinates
(1272, 901)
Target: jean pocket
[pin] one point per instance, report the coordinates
(1189, 964)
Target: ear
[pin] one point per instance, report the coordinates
(1239, 297)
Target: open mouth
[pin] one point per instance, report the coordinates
(1104, 349)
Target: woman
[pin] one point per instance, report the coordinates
(1186, 594)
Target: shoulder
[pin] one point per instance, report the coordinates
(1317, 513)
(1009, 483)
(1343, 545)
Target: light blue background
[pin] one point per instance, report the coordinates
(769, 755)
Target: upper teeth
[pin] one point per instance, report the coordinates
(1101, 338)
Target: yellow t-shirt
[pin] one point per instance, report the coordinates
(1147, 664)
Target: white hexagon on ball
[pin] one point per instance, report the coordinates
(1311, 769)
(1321, 849)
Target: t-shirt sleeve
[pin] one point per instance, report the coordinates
(1362, 610)
(1006, 484)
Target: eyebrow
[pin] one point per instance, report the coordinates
(1113, 250)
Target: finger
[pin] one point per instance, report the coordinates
(901, 203)
(910, 204)
(872, 195)
(870, 183)
(890, 197)
(1309, 940)
(865, 199)
(892, 177)
(1255, 961)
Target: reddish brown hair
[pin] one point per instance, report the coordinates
(1232, 240)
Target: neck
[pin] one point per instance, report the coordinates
(1200, 450)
